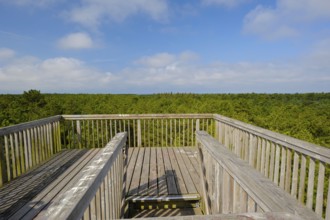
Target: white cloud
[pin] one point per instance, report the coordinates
(286, 18)
(76, 41)
(226, 3)
(92, 13)
(6, 53)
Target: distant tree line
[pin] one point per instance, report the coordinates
(304, 116)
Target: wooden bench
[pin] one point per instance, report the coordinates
(39, 192)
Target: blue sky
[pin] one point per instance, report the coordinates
(153, 46)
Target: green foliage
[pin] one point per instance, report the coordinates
(304, 116)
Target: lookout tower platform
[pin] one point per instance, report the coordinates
(190, 166)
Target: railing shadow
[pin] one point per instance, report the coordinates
(163, 185)
(21, 191)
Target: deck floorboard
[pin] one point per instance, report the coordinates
(30, 193)
(157, 171)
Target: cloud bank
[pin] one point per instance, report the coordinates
(286, 19)
(93, 13)
(167, 72)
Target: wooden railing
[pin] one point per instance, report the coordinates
(26, 145)
(231, 185)
(300, 168)
(98, 191)
(158, 130)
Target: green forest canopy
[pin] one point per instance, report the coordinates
(304, 116)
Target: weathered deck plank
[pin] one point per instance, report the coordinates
(157, 171)
(161, 178)
(136, 175)
(180, 183)
(31, 192)
(153, 190)
(47, 196)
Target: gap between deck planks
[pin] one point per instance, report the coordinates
(159, 171)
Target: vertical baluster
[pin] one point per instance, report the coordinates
(13, 159)
(246, 146)
(175, 136)
(283, 165)
(144, 133)
(310, 187)
(263, 156)
(171, 133)
(30, 145)
(102, 133)
(139, 133)
(134, 133)
(295, 174)
(301, 192)
(43, 141)
(129, 133)
(166, 129)
(288, 170)
(188, 130)
(192, 133)
(22, 151)
(183, 131)
(320, 190)
(8, 164)
(49, 140)
(17, 155)
(153, 133)
(277, 164)
(272, 161)
(236, 198)
(72, 142)
(26, 152)
(259, 150)
(180, 133)
(252, 150)
(111, 128)
(35, 147)
(267, 158)
(116, 127)
(226, 193)
(162, 132)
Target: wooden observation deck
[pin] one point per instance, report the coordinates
(190, 166)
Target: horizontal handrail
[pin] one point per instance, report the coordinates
(241, 187)
(137, 116)
(29, 125)
(93, 180)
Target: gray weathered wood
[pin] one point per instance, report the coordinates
(310, 187)
(320, 189)
(315, 151)
(263, 191)
(89, 180)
